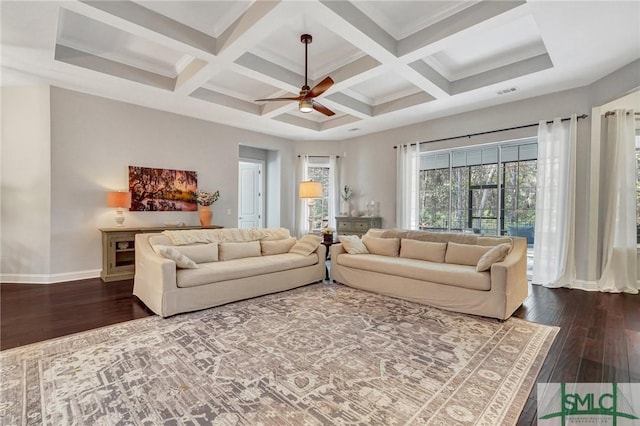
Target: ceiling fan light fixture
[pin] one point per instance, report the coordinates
(306, 105)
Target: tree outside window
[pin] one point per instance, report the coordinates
(320, 213)
(489, 197)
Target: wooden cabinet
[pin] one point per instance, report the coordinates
(347, 225)
(119, 251)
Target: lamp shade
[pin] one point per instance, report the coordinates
(118, 199)
(306, 105)
(310, 189)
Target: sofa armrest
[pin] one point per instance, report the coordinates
(334, 251)
(509, 277)
(322, 253)
(151, 268)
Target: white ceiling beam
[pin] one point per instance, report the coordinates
(250, 27)
(402, 103)
(351, 24)
(479, 17)
(86, 60)
(433, 76)
(299, 122)
(224, 100)
(172, 31)
(274, 109)
(362, 24)
(350, 105)
(505, 73)
(338, 122)
(192, 76)
(280, 75)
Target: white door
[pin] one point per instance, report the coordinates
(250, 195)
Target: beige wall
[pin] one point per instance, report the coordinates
(25, 187)
(92, 142)
(62, 150)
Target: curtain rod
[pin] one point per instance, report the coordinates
(609, 113)
(319, 156)
(491, 131)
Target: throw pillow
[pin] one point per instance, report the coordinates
(422, 250)
(496, 254)
(277, 246)
(181, 260)
(306, 245)
(200, 253)
(382, 246)
(464, 254)
(353, 244)
(230, 251)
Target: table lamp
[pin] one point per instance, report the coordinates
(119, 200)
(310, 190)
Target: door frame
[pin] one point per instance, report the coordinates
(261, 202)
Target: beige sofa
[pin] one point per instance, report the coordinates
(438, 269)
(182, 271)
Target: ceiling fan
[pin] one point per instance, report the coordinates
(306, 101)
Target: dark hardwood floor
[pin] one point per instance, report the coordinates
(599, 339)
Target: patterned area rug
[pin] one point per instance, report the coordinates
(317, 355)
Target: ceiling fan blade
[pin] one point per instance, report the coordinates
(323, 109)
(279, 99)
(320, 88)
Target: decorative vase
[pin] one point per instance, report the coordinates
(345, 208)
(205, 215)
(355, 213)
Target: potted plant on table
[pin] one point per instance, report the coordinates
(327, 234)
(205, 199)
(345, 194)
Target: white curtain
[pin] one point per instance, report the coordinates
(554, 248)
(407, 169)
(334, 191)
(619, 253)
(302, 214)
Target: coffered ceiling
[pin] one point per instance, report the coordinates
(393, 62)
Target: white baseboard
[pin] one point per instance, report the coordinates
(49, 278)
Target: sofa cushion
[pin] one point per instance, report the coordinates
(440, 273)
(423, 250)
(464, 254)
(200, 253)
(241, 268)
(382, 246)
(271, 234)
(353, 244)
(493, 241)
(496, 254)
(435, 237)
(270, 247)
(230, 251)
(169, 252)
(160, 239)
(306, 245)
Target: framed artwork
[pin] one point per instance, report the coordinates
(162, 189)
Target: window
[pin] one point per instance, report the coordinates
(489, 190)
(319, 172)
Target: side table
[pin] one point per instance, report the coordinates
(327, 244)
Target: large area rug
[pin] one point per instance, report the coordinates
(321, 354)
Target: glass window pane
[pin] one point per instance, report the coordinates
(467, 195)
(320, 212)
(509, 153)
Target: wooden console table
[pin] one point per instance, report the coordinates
(119, 252)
